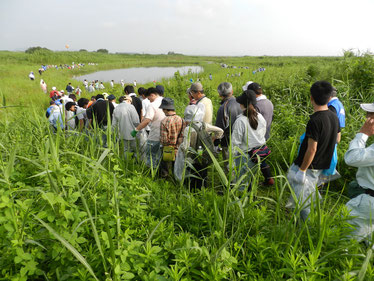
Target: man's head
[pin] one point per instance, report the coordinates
(321, 92)
(160, 90)
(127, 99)
(197, 90)
(93, 98)
(256, 88)
(129, 89)
(152, 94)
(167, 106)
(73, 97)
(83, 102)
(112, 98)
(99, 96)
(70, 106)
(225, 90)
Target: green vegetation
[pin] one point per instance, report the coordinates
(73, 210)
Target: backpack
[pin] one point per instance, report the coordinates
(205, 141)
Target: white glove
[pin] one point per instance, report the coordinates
(300, 176)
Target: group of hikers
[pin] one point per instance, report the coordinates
(151, 130)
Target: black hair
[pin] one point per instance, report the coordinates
(151, 90)
(93, 97)
(99, 96)
(160, 89)
(141, 91)
(73, 97)
(121, 99)
(129, 89)
(321, 92)
(256, 88)
(248, 99)
(69, 105)
(82, 102)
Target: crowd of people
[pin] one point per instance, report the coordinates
(184, 147)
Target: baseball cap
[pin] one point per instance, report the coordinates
(111, 97)
(247, 97)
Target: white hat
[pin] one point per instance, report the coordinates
(369, 107)
(194, 113)
(53, 88)
(105, 95)
(245, 87)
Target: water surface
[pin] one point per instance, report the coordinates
(141, 74)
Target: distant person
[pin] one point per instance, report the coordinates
(78, 91)
(85, 84)
(136, 102)
(317, 148)
(264, 106)
(122, 83)
(70, 115)
(153, 118)
(54, 93)
(32, 76)
(91, 88)
(102, 87)
(125, 120)
(360, 155)
(226, 116)
(52, 103)
(43, 85)
(112, 83)
(210, 77)
(134, 83)
(69, 89)
(197, 93)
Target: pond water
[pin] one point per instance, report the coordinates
(140, 74)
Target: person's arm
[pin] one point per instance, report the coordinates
(143, 124)
(309, 154)
(164, 136)
(338, 138)
(358, 155)
(217, 133)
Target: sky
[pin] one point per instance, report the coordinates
(191, 27)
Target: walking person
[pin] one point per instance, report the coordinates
(172, 127)
(248, 141)
(226, 116)
(317, 148)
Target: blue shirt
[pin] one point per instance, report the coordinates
(339, 108)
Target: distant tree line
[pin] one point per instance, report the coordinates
(32, 50)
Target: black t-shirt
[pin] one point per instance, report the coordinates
(98, 112)
(323, 127)
(137, 103)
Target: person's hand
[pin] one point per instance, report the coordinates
(133, 133)
(368, 127)
(300, 176)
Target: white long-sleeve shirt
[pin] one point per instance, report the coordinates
(358, 155)
(244, 137)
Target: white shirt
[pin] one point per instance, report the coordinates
(208, 115)
(358, 155)
(245, 137)
(262, 97)
(155, 114)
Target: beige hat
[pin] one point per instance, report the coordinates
(196, 87)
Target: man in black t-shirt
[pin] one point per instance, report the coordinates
(136, 102)
(317, 148)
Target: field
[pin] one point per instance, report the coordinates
(71, 209)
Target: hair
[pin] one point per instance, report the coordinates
(129, 89)
(121, 99)
(69, 105)
(251, 114)
(73, 97)
(255, 88)
(160, 89)
(224, 89)
(99, 96)
(141, 91)
(150, 91)
(82, 102)
(321, 92)
(93, 97)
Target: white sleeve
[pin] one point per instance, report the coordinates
(151, 111)
(357, 154)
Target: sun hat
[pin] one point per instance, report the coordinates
(368, 107)
(167, 103)
(245, 87)
(105, 95)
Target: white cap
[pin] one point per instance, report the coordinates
(245, 87)
(53, 88)
(369, 107)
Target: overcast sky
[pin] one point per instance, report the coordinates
(193, 27)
